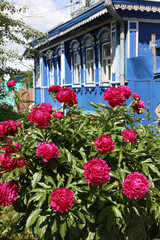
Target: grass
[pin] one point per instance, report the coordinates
(8, 227)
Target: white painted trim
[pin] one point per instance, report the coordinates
(142, 20)
(141, 8)
(62, 64)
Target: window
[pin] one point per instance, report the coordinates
(76, 67)
(89, 66)
(75, 58)
(38, 76)
(51, 76)
(106, 62)
(88, 3)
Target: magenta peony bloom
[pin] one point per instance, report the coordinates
(96, 171)
(104, 144)
(61, 199)
(114, 96)
(45, 106)
(54, 88)
(39, 116)
(135, 185)
(136, 96)
(8, 193)
(11, 83)
(137, 107)
(129, 135)
(126, 91)
(47, 150)
(67, 95)
(58, 114)
(3, 129)
(159, 123)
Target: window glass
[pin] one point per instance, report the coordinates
(106, 63)
(51, 72)
(38, 76)
(89, 66)
(76, 65)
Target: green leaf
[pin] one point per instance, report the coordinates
(24, 93)
(36, 178)
(63, 229)
(114, 174)
(41, 226)
(120, 158)
(103, 214)
(145, 169)
(54, 227)
(32, 218)
(117, 212)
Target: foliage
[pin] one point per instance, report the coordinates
(7, 112)
(99, 212)
(8, 229)
(12, 30)
(27, 74)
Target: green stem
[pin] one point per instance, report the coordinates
(21, 101)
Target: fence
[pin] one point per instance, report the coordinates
(26, 97)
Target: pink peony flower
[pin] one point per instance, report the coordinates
(129, 135)
(11, 83)
(8, 193)
(7, 163)
(3, 129)
(61, 199)
(47, 150)
(58, 114)
(136, 96)
(114, 96)
(135, 185)
(126, 91)
(96, 171)
(46, 106)
(67, 95)
(11, 127)
(39, 116)
(137, 107)
(104, 144)
(54, 88)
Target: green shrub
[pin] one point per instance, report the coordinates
(98, 211)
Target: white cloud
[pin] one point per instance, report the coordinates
(45, 14)
(42, 15)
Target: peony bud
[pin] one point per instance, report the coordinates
(116, 184)
(92, 143)
(18, 156)
(79, 201)
(29, 133)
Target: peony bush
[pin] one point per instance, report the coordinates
(88, 176)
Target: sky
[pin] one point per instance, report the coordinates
(42, 15)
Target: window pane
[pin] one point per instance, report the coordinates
(38, 76)
(106, 50)
(89, 55)
(76, 66)
(106, 63)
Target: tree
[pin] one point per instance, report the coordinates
(12, 30)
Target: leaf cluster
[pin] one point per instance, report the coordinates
(100, 212)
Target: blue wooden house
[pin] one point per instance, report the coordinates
(106, 43)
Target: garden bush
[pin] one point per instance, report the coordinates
(85, 176)
(7, 112)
